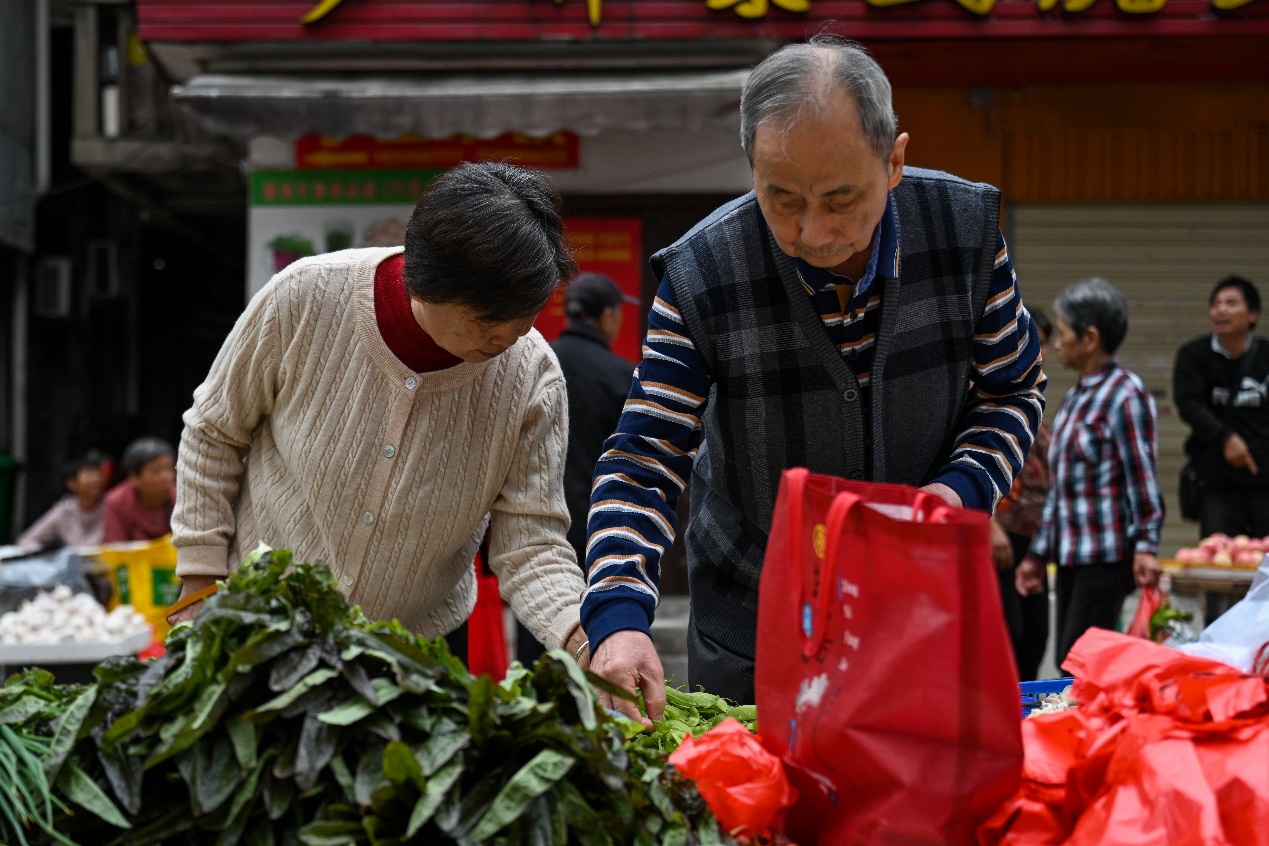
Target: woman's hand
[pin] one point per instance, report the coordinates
(1028, 579)
(189, 585)
(1146, 569)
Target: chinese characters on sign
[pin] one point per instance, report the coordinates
(315, 152)
(755, 9)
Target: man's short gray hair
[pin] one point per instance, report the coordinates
(801, 76)
(1094, 302)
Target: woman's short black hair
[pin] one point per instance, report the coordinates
(488, 236)
(142, 451)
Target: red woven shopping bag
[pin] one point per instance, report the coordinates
(884, 675)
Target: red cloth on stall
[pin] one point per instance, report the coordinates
(486, 638)
(1166, 749)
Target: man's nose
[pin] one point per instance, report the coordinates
(816, 230)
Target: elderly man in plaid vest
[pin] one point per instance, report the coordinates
(848, 315)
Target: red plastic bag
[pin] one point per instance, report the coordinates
(1165, 749)
(884, 674)
(743, 784)
(1152, 599)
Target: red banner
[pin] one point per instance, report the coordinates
(315, 152)
(668, 20)
(612, 246)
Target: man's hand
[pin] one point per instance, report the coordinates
(1238, 455)
(191, 584)
(629, 660)
(945, 493)
(1146, 569)
(1001, 546)
(1028, 579)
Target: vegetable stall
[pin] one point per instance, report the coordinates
(282, 716)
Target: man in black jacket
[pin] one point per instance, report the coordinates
(597, 381)
(1221, 385)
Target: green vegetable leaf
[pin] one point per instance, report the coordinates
(400, 765)
(67, 732)
(77, 786)
(242, 734)
(331, 833)
(532, 780)
(446, 741)
(279, 703)
(435, 791)
(315, 749)
(369, 777)
(23, 709)
(358, 707)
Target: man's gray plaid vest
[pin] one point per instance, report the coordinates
(783, 396)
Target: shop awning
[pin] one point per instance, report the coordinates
(483, 105)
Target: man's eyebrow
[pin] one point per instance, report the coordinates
(776, 189)
(839, 190)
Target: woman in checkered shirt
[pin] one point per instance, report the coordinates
(1103, 514)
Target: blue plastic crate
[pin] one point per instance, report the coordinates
(1031, 692)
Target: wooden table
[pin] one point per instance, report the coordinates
(1216, 587)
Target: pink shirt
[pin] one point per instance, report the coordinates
(126, 519)
(65, 524)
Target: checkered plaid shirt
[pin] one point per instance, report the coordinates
(1105, 503)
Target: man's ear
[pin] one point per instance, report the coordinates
(894, 165)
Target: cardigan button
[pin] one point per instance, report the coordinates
(367, 518)
(411, 383)
(389, 451)
(851, 395)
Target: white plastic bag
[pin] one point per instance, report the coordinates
(1236, 637)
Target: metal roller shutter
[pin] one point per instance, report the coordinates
(1164, 259)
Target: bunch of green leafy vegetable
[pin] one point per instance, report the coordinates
(282, 716)
(27, 800)
(690, 713)
(1166, 622)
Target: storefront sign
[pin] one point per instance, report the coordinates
(754, 9)
(315, 152)
(662, 20)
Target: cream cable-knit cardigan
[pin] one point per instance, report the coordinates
(310, 434)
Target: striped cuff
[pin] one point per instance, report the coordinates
(974, 490)
(613, 615)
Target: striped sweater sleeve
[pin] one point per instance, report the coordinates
(641, 475)
(1006, 401)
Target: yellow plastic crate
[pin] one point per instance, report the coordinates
(143, 575)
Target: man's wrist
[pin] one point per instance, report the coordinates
(967, 485)
(614, 616)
